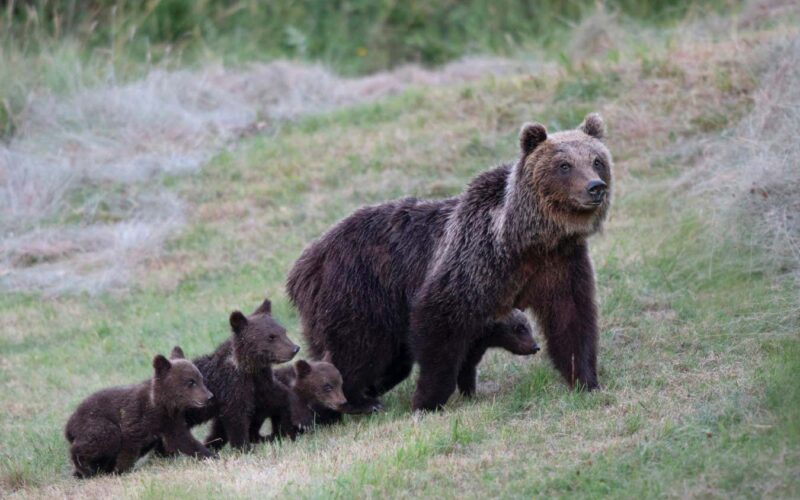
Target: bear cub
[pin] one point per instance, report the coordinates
(111, 429)
(239, 372)
(512, 333)
(315, 387)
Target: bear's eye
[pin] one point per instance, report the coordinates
(598, 165)
(565, 167)
(272, 337)
(327, 388)
(191, 383)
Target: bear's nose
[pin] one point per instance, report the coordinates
(210, 395)
(296, 349)
(596, 188)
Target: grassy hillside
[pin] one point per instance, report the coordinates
(64, 46)
(697, 274)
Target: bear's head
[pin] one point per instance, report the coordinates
(177, 383)
(569, 173)
(514, 334)
(320, 383)
(259, 341)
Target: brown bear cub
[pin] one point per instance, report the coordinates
(315, 388)
(111, 429)
(239, 372)
(512, 333)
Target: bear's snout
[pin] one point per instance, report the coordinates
(596, 190)
(533, 349)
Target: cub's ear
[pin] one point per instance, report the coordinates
(177, 353)
(593, 125)
(531, 135)
(161, 364)
(238, 322)
(302, 369)
(328, 357)
(264, 308)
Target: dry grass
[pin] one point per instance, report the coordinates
(751, 170)
(84, 174)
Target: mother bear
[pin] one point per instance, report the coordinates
(417, 280)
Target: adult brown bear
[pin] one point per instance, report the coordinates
(418, 281)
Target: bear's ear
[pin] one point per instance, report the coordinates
(161, 364)
(302, 368)
(593, 125)
(327, 357)
(238, 322)
(177, 353)
(531, 135)
(264, 308)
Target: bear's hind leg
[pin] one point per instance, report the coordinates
(398, 371)
(96, 450)
(358, 402)
(360, 367)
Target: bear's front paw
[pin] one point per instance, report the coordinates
(303, 422)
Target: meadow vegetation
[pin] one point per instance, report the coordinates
(698, 268)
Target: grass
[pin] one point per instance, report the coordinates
(699, 327)
(62, 47)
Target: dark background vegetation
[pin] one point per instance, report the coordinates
(122, 40)
(353, 36)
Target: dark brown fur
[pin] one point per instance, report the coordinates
(512, 333)
(315, 388)
(111, 429)
(273, 402)
(239, 372)
(416, 281)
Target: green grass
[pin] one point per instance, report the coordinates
(353, 36)
(61, 47)
(699, 332)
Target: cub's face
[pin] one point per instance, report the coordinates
(321, 383)
(259, 340)
(179, 383)
(514, 334)
(570, 173)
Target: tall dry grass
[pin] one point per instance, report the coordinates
(751, 171)
(82, 197)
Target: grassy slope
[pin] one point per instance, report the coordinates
(699, 338)
(56, 47)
